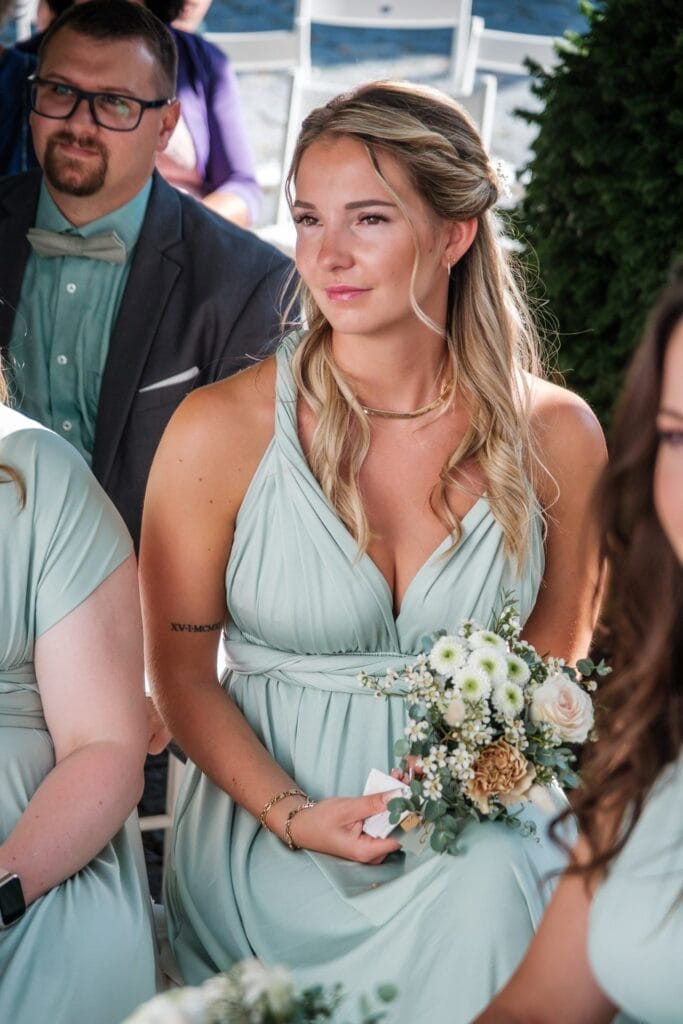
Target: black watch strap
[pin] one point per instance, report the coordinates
(12, 902)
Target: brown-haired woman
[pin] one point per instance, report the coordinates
(613, 935)
(382, 476)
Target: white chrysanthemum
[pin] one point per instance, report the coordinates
(518, 670)
(490, 661)
(473, 682)
(447, 655)
(508, 698)
(488, 639)
(417, 731)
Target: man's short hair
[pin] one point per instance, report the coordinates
(113, 20)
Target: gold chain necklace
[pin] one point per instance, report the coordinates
(388, 414)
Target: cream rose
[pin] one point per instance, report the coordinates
(561, 702)
(502, 771)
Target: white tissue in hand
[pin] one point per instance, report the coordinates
(378, 825)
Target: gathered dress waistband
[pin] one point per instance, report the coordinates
(334, 672)
(20, 703)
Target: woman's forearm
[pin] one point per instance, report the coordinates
(76, 810)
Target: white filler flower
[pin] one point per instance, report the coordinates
(447, 655)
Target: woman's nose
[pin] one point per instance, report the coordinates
(335, 250)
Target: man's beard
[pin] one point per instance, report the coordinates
(72, 176)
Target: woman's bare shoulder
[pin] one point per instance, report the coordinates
(231, 413)
(565, 426)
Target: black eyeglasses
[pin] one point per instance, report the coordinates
(107, 109)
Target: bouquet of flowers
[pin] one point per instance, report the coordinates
(491, 723)
(251, 993)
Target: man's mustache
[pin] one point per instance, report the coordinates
(84, 141)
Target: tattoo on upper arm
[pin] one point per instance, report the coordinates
(192, 627)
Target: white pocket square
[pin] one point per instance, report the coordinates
(177, 378)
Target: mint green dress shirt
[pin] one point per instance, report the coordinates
(66, 312)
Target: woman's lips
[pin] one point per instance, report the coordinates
(343, 293)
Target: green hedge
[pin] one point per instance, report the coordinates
(603, 210)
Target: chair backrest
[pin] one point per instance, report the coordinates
(399, 14)
(309, 93)
(278, 50)
(505, 52)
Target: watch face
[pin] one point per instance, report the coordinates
(12, 904)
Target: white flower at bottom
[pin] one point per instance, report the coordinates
(508, 698)
(272, 983)
(417, 731)
(474, 683)
(432, 789)
(447, 655)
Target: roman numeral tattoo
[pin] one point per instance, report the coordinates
(191, 627)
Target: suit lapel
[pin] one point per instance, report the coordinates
(152, 277)
(17, 215)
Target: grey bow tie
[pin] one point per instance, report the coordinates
(105, 246)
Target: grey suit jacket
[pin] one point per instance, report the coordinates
(201, 301)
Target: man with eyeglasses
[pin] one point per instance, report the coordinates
(119, 294)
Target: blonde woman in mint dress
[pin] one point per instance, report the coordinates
(611, 941)
(381, 477)
(72, 741)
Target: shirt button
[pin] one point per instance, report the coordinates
(66, 425)
(62, 360)
(71, 287)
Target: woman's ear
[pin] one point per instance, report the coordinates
(459, 237)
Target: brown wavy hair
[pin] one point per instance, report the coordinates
(490, 336)
(641, 633)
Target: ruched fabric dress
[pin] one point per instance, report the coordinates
(635, 940)
(306, 616)
(83, 953)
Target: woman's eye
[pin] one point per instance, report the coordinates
(671, 437)
(372, 218)
(304, 218)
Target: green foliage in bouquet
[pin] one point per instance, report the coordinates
(491, 725)
(603, 209)
(252, 993)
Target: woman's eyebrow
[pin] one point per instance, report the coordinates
(357, 205)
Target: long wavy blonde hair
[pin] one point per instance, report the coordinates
(491, 340)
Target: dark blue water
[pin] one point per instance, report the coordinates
(333, 45)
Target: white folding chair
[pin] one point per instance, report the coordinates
(309, 93)
(413, 15)
(504, 53)
(165, 821)
(278, 50)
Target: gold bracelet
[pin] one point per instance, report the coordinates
(288, 824)
(276, 800)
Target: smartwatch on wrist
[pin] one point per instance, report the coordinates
(12, 902)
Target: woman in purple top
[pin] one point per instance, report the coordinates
(209, 155)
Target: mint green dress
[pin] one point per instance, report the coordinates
(307, 615)
(635, 940)
(83, 953)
